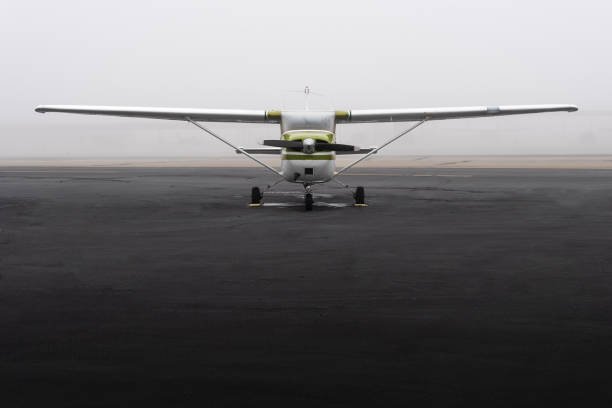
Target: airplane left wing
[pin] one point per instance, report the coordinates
(423, 115)
(408, 115)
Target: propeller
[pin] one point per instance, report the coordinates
(318, 146)
(335, 147)
(284, 143)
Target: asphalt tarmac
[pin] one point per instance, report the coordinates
(160, 286)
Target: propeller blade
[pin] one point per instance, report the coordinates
(335, 147)
(284, 143)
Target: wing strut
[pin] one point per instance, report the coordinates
(393, 139)
(239, 149)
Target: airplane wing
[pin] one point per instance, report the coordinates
(407, 115)
(423, 115)
(273, 116)
(202, 115)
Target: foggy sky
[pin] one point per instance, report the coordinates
(359, 54)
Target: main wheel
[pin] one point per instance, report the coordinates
(255, 195)
(308, 202)
(359, 195)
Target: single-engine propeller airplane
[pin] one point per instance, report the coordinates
(307, 144)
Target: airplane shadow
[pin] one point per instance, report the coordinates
(295, 199)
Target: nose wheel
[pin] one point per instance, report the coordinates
(308, 201)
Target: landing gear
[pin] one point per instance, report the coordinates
(308, 199)
(256, 197)
(308, 202)
(359, 197)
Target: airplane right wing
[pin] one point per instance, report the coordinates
(199, 115)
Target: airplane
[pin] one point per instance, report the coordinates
(307, 144)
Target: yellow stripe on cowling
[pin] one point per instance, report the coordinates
(307, 157)
(322, 135)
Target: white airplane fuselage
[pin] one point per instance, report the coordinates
(307, 166)
(299, 166)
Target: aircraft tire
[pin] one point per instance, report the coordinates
(308, 202)
(359, 195)
(255, 195)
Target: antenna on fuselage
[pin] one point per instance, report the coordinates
(306, 93)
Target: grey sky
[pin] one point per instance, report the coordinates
(246, 54)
